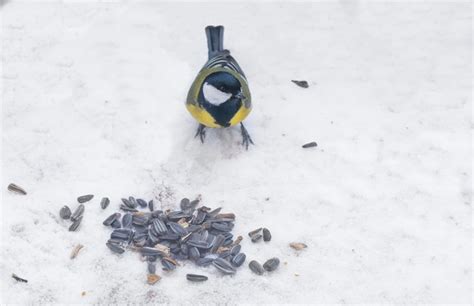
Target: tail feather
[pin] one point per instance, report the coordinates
(215, 40)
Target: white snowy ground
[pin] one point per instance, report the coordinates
(93, 103)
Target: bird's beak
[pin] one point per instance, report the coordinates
(240, 95)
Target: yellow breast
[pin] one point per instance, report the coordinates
(203, 117)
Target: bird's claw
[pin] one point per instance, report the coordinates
(246, 139)
(201, 132)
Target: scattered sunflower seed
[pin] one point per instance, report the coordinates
(267, 236)
(142, 203)
(238, 260)
(65, 212)
(19, 279)
(151, 267)
(271, 264)
(115, 247)
(303, 84)
(78, 212)
(75, 224)
(256, 237)
(298, 246)
(104, 203)
(15, 188)
(223, 266)
(196, 278)
(85, 198)
(255, 231)
(310, 145)
(76, 250)
(110, 219)
(256, 267)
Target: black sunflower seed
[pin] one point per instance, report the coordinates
(127, 208)
(139, 219)
(104, 203)
(122, 234)
(310, 145)
(256, 237)
(271, 264)
(235, 249)
(75, 225)
(151, 267)
(151, 205)
(184, 204)
(115, 247)
(65, 212)
(85, 198)
(238, 260)
(255, 231)
(199, 244)
(116, 224)
(223, 266)
(303, 84)
(193, 253)
(78, 212)
(127, 220)
(19, 279)
(196, 278)
(256, 267)
(15, 188)
(267, 236)
(159, 226)
(142, 203)
(110, 219)
(217, 242)
(178, 229)
(129, 204)
(167, 265)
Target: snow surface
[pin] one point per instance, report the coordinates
(93, 102)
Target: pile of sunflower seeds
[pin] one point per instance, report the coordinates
(194, 233)
(77, 215)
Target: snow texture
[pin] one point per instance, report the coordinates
(93, 102)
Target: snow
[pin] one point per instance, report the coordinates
(93, 102)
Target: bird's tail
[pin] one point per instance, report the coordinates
(215, 40)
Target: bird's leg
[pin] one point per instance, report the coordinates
(246, 139)
(201, 132)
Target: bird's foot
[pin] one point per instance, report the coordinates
(201, 132)
(246, 139)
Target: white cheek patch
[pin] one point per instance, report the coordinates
(214, 95)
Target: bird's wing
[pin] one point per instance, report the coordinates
(225, 60)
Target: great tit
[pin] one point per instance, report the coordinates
(219, 96)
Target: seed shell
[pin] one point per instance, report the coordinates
(78, 212)
(224, 266)
(142, 203)
(267, 236)
(75, 224)
(153, 279)
(298, 246)
(85, 198)
(310, 145)
(254, 232)
(271, 264)
(110, 219)
(65, 212)
(196, 278)
(15, 188)
(238, 260)
(256, 267)
(104, 203)
(256, 237)
(303, 84)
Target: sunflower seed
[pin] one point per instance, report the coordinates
(298, 246)
(256, 231)
(129, 204)
(85, 198)
(133, 201)
(215, 212)
(184, 205)
(116, 224)
(65, 212)
(256, 267)
(139, 219)
(121, 234)
(151, 205)
(193, 253)
(230, 216)
(178, 229)
(303, 84)
(267, 236)
(104, 203)
(170, 236)
(224, 266)
(19, 279)
(110, 219)
(151, 267)
(78, 212)
(256, 237)
(235, 249)
(15, 188)
(204, 261)
(153, 279)
(167, 265)
(237, 240)
(196, 278)
(199, 218)
(147, 251)
(75, 224)
(75, 251)
(223, 226)
(142, 203)
(176, 215)
(127, 208)
(127, 220)
(217, 243)
(159, 226)
(310, 145)
(238, 260)
(271, 264)
(199, 244)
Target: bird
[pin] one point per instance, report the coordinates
(219, 96)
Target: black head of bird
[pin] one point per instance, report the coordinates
(219, 96)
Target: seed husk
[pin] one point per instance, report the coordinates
(226, 216)
(177, 229)
(19, 279)
(65, 212)
(15, 188)
(76, 250)
(238, 260)
(104, 202)
(237, 240)
(199, 244)
(74, 226)
(110, 219)
(196, 278)
(78, 212)
(256, 238)
(193, 253)
(139, 219)
(223, 226)
(142, 203)
(217, 243)
(85, 198)
(298, 246)
(256, 267)
(303, 84)
(128, 209)
(153, 279)
(224, 266)
(310, 145)
(167, 265)
(271, 264)
(215, 212)
(129, 204)
(184, 204)
(151, 205)
(115, 247)
(235, 249)
(151, 267)
(267, 236)
(255, 231)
